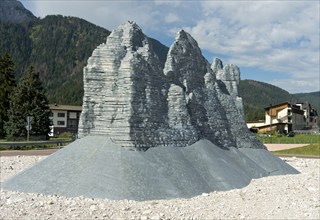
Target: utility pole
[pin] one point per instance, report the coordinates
(270, 114)
(28, 127)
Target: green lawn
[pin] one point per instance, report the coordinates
(35, 146)
(297, 139)
(310, 150)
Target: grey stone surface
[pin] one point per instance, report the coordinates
(228, 78)
(131, 99)
(123, 84)
(95, 167)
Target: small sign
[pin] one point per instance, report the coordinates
(29, 118)
(28, 127)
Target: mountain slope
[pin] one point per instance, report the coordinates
(14, 39)
(313, 98)
(258, 95)
(13, 10)
(60, 49)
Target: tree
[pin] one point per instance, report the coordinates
(29, 100)
(7, 86)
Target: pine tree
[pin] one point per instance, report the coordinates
(7, 86)
(29, 100)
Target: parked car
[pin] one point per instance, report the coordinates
(291, 134)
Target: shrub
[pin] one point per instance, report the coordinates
(66, 135)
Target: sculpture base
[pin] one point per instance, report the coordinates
(97, 168)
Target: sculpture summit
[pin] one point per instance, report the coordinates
(154, 128)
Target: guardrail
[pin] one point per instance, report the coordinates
(30, 143)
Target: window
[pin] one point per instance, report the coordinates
(72, 124)
(60, 122)
(61, 115)
(51, 114)
(73, 115)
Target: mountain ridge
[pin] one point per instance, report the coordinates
(13, 10)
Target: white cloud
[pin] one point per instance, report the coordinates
(167, 2)
(171, 18)
(108, 14)
(272, 36)
(298, 86)
(278, 36)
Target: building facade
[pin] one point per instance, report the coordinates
(286, 117)
(310, 115)
(64, 118)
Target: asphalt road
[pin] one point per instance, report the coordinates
(39, 152)
(46, 152)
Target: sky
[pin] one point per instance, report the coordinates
(276, 42)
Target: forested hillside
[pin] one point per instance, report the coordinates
(13, 10)
(312, 97)
(258, 95)
(14, 39)
(58, 47)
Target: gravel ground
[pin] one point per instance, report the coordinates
(276, 197)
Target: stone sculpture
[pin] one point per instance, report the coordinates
(154, 129)
(131, 99)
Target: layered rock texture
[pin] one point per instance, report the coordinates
(131, 98)
(124, 95)
(154, 130)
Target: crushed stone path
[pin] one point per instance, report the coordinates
(276, 197)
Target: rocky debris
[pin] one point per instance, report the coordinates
(131, 98)
(12, 165)
(276, 197)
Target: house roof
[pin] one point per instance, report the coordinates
(273, 124)
(65, 107)
(278, 105)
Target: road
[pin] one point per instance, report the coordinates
(45, 152)
(276, 147)
(41, 152)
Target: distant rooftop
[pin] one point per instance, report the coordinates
(65, 107)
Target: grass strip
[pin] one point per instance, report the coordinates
(310, 150)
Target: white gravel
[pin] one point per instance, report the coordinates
(277, 197)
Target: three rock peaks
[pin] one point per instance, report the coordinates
(131, 98)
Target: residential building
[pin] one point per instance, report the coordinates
(286, 117)
(65, 118)
(310, 115)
